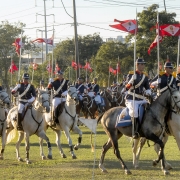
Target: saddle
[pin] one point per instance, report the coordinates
(59, 109)
(124, 119)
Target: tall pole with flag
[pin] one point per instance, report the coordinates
(109, 74)
(20, 43)
(157, 31)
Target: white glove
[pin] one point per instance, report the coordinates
(31, 100)
(147, 92)
(64, 93)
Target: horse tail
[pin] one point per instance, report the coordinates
(11, 136)
(99, 118)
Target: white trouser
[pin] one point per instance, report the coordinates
(129, 104)
(21, 107)
(56, 101)
(80, 97)
(91, 94)
(98, 99)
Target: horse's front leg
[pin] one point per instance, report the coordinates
(66, 132)
(20, 138)
(58, 143)
(41, 149)
(42, 135)
(27, 147)
(78, 131)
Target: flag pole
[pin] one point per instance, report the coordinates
(178, 54)
(11, 70)
(52, 51)
(158, 49)
(133, 119)
(69, 73)
(109, 75)
(117, 69)
(20, 43)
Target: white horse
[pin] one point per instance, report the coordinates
(32, 124)
(4, 99)
(67, 122)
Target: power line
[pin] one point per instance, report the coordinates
(65, 9)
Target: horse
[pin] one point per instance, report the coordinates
(32, 124)
(67, 121)
(172, 129)
(152, 127)
(91, 107)
(4, 100)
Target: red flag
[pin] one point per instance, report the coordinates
(154, 44)
(57, 68)
(118, 67)
(80, 66)
(41, 40)
(17, 45)
(49, 68)
(35, 66)
(74, 65)
(88, 67)
(170, 29)
(13, 67)
(126, 25)
(113, 71)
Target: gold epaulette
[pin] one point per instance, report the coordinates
(161, 73)
(55, 79)
(131, 72)
(174, 74)
(145, 73)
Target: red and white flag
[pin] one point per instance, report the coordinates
(18, 45)
(13, 67)
(113, 71)
(170, 29)
(74, 65)
(35, 66)
(49, 68)
(154, 44)
(88, 67)
(126, 25)
(57, 68)
(47, 41)
(80, 66)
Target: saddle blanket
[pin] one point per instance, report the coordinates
(124, 119)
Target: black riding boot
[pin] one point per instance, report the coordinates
(99, 108)
(19, 124)
(136, 129)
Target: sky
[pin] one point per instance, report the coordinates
(95, 15)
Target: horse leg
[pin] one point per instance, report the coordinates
(66, 132)
(42, 135)
(156, 148)
(27, 146)
(105, 148)
(136, 154)
(3, 144)
(41, 149)
(155, 139)
(58, 134)
(20, 138)
(78, 131)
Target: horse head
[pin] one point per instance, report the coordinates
(43, 99)
(4, 98)
(72, 93)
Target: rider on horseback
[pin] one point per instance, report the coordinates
(137, 82)
(27, 95)
(95, 89)
(60, 85)
(165, 78)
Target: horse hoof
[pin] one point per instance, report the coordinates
(28, 162)
(63, 156)
(43, 157)
(75, 147)
(166, 173)
(128, 172)
(154, 163)
(20, 159)
(49, 156)
(74, 157)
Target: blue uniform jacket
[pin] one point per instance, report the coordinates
(140, 89)
(95, 88)
(80, 88)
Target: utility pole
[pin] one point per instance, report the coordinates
(165, 5)
(45, 26)
(76, 40)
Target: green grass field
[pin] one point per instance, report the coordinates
(82, 167)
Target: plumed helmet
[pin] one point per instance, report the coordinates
(140, 61)
(168, 65)
(59, 72)
(25, 76)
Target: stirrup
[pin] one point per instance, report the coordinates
(136, 135)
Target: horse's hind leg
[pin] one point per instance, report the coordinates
(66, 132)
(42, 135)
(58, 135)
(78, 131)
(20, 138)
(105, 148)
(27, 148)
